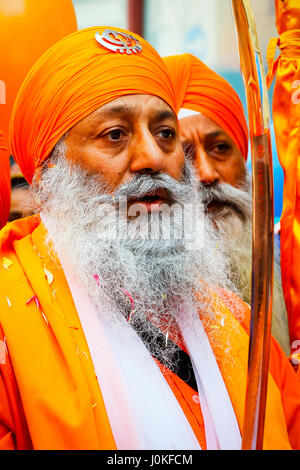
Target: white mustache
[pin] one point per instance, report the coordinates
(227, 195)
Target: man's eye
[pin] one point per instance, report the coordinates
(116, 134)
(167, 134)
(220, 148)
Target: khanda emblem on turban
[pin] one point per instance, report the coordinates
(117, 41)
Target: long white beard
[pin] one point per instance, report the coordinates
(140, 278)
(234, 224)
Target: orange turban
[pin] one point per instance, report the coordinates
(5, 186)
(200, 89)
(72, 79)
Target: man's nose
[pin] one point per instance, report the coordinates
(146, 155)
(206, 168)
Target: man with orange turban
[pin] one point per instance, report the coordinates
(118, 330)
(214, 131)
(4, 182)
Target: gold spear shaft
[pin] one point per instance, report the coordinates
(262, 224)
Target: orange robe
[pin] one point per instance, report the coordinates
(286, 116)
(49, 394)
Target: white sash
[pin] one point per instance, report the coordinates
(221, 426)
(142, 410)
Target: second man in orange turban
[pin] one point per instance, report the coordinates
(214, 132)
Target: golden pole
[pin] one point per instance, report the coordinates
(262, 224)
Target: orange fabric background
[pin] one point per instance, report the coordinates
(27, 29)
(286, 116)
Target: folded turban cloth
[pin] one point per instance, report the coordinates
(72, 79)
(5, 186)
(200, 89)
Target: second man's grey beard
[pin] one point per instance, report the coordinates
(234, 223)
(233, 220)
(230, 200)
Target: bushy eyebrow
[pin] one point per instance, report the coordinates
(165, 114)
(113, 111)
(210, 136)
(213, 135)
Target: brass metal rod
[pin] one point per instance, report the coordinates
(262, 225)
(136, 16)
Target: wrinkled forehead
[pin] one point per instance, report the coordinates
(138, 107)
(133, 103)
(200, 126)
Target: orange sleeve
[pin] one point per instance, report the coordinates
(289, 386)
(281, 370)
(7, 441)
(14, 433)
